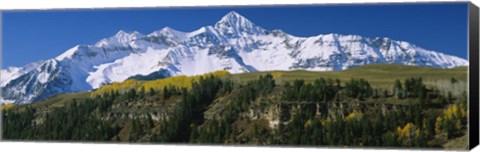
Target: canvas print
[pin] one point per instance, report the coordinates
(359, 75)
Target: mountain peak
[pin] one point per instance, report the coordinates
(170, 31)
(68, 54)
(234, 23)
(123, 34)
(166, 28)
(119, 39)
(233, 14)
(233, 18)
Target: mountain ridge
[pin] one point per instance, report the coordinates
(234, 44)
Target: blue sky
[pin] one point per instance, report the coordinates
(30, 36)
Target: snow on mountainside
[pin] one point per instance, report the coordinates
(234, 43)
(14, 72)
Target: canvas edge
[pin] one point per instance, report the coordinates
(1, 66)
(473, 50)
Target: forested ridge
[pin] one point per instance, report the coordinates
(215, 109)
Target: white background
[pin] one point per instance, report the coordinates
(88, 147)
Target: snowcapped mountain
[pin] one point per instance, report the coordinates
(234, 43)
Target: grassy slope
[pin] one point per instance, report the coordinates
(379, 75)
(57, 100)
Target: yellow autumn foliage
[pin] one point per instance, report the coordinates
(463, 113)
(352, 115)
(408, 130)
(6, 106)
(325, 122)
(277, 75)
(407, 134)
(453, 114)
(176, 81)
(308, 123)
(438, 125)
(450, 112)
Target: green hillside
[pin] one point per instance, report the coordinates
(371, 106)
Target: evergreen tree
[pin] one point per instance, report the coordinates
(142, 92)
(152, 91)
(397, 89)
